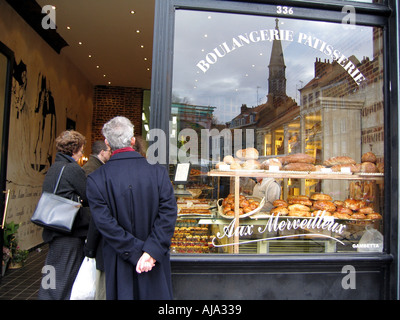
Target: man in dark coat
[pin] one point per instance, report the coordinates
(101, 153)
(133, 206)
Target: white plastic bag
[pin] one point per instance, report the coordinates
(84, 287)
(371, 241)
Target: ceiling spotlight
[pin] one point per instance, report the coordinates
(138, 31)
(132, 12)
(142, 46)
(109, 82)
(68, 28)
(145, 59)
(80, 43)
(97, 67)
(104, 75)
(90, 55)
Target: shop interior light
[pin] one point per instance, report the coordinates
(143, 116)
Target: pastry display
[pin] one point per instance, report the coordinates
(190, 237)
(304, 206)
(247, 205)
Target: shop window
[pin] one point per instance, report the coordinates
(321, 143)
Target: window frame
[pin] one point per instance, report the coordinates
(367, 14)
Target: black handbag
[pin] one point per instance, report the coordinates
(54, 212)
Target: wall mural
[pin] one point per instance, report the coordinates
(31, 148)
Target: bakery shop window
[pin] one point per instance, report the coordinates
(282, 122)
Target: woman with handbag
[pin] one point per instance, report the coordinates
(66, 252)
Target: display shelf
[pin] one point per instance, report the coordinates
(237, 174)
(296, 175)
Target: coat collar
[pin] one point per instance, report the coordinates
(125, 155)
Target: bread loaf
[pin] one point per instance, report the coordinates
(339, 160)
(270, 162)
(368, 157)
(368, 167)
(298, 158)
(299, 166)
(251, 165)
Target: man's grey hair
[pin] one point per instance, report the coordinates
(118, 132)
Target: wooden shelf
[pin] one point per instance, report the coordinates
(294, 175)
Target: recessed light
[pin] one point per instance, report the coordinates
(104, 75)
(97, 67)
(142, 46)
(80, 43)
(68, 27)
(132, 12)
(109, 82)
(90, 55)
(138, 31)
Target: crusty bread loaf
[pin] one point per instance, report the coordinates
(338, 160)
(299, 166)
(368, 157)
(298, 158)
(248, 153)
(368, 167)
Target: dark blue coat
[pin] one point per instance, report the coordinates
(133, 206)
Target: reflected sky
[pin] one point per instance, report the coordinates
(241, 75)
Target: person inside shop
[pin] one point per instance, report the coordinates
(66, 251)
(101, 153)
(133, 206)
(268, 188)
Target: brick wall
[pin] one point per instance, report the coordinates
(110, 101)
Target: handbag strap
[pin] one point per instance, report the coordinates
(58, 180)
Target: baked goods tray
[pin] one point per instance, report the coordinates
(220, 209)
(264, 215)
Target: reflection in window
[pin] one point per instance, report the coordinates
(285, 87)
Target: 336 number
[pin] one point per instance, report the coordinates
(284, 10)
